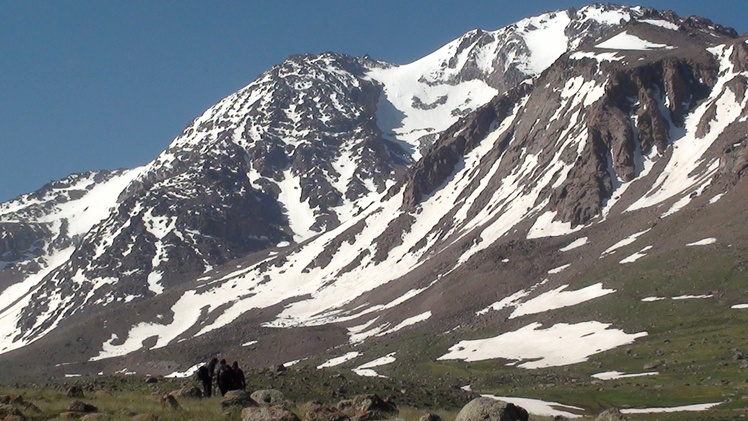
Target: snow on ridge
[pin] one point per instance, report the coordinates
(680, 175)
(626, 41)
(661, 23)
(539, 348)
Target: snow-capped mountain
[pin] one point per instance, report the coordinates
(360, 198)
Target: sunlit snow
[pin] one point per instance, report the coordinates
(540, 347)
(615, 375)
(540, 407)
(704, 242)
(559, 298)
(626, 41)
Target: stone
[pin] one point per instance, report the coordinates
(240, 398)
(368, 407)
(268, 413)
(612, 414)
(80, 406)
(317, 411)
(268, 397)
(190, 392)
(8, 411)
(430, 417)
(170, 402)
(74, 391)
(487, 409)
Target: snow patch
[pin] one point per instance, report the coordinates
(339, 360)
(541, 348)
(684, 408)
(704, 242)
(626, 41)
(542, 408)
(558, 298)
(366, 369)
(579, 242)
(661, 23)
(626, 241)
(558, 269)
(636, 256)
(614, 375)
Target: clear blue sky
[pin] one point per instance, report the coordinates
(88, 85)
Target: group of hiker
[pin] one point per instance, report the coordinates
(226, 377)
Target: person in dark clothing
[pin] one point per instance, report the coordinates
(205, 375)
(240, 382)
(224, 376)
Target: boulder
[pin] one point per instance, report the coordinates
(240, 398)
(169, 402)
(368, 407)
(278, 368)
(80, 406)
(317, 411)
(74, 391)
(8, 412)
(612, 414)
(19, 402)
(268, 413)
(190, 392)
(269, 397)
(487, 409)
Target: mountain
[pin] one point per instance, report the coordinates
(512, 191)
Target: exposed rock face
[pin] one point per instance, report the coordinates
(487, 409)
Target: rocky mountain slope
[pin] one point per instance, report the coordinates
(479, 198)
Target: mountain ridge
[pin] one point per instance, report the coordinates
(494, 185)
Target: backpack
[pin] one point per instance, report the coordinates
(202, 374)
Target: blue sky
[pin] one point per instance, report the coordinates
(88, 85)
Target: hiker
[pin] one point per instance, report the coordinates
(224, 377)
(205, 375)
(240, 382)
